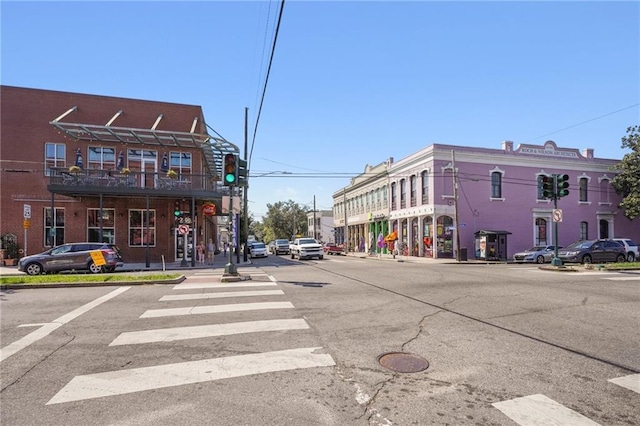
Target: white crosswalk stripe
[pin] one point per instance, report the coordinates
(539, 410)
(202, 285)
(220, 295)
(162, 376)
(215, 309)
(631, 382)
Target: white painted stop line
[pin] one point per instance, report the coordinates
(211, 330)
(538, 410)
(163, 376)
(220, 295)
(215, 309)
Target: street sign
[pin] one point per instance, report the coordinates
(98, 258)
(26, 223)
(557, 215)
(26, 211)
(183, 229)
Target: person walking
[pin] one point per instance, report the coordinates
(211, 248)
(201, 250)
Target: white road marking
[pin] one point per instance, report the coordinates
(211, 330)
(221, 295)
(195, 286)
(631, 382)
(624, 278)
(163, 376)
(538, 410)
(48, 328)
(215, 309)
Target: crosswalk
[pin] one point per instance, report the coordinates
(605, 275)
(210, 299)
(202, 286)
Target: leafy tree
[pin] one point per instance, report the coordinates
(627, 182)
(285, 220)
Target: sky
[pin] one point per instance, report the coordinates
(351, 83)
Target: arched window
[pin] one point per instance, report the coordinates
(584, 194)
(496, 185)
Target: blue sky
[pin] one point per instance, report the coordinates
(352, 83)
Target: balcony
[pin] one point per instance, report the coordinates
(113, 182)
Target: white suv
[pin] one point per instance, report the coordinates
(631, 247)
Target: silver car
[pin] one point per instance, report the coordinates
(537, 254)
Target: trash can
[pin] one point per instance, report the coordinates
(463, 254)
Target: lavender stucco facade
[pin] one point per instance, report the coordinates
(493, 197)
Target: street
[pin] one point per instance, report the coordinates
(299, 344)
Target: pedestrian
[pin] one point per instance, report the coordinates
(211, 248)
(201, 249)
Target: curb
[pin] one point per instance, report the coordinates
(177, 280)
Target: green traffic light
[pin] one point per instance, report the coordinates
(229, 178)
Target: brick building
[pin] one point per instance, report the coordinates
(98, 168)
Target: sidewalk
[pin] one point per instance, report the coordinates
(218, 264)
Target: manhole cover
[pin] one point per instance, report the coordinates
(402, 362)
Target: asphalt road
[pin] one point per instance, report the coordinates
(299, 344)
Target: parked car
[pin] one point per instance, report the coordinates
(72, 256)
(537, 254)
(281, 246)
(631, 247)
(593, 251)
(258, 250)
(333, 248)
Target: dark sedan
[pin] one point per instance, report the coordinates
(593, 251)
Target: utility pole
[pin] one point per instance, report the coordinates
(315, 231)
(245, 190)
(346, 226)
(456, 225)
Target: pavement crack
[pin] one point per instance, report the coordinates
(421, 327)
(19, 379)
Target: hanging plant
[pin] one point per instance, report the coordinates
(171, 174)
(74, 169)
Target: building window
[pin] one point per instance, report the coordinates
(393, 195)
(142, 232)
(403, 193)
(605, 187)
(584, 195)
(412, 190)
(54, 156)
(584, 231)
(180, 162)
(108, 222)
(541, 232)
(424, 176)
(604, 228)
(53, 229)
(496, 185)
(101, 158)
(447, 184)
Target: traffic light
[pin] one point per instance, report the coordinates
(242, 172)
(562, 183)
(176, 210)
(230, 170)
(547, 187)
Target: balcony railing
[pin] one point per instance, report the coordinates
(114, 180)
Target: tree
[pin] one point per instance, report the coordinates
(627, 181)
(285, 220)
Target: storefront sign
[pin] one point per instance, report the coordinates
(209, 209)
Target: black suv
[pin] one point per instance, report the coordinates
(94, 257)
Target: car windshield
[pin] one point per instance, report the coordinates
(307, 241)
(282, 242)
(258, 245)
(579, 245)
(536, 248)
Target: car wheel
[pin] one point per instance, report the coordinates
(33, 269)
(94, 269)
(320, 257)
(621, 258)
(540, 259)
(293, 256)
(631, 257)
(586, 259)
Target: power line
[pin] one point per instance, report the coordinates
(584, 122)
(266, 81)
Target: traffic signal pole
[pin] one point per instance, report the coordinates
(556, 260)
